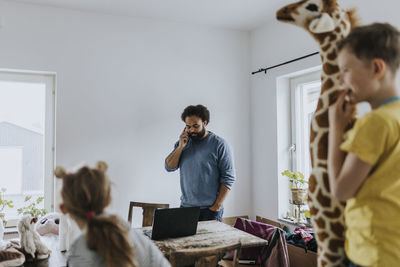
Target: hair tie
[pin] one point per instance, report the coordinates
(90, 214)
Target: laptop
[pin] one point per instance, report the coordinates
(174, 222)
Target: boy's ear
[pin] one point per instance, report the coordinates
(379, 67)
(205, 123)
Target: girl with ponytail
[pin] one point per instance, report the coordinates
(106, 240)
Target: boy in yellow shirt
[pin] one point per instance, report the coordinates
(368, 176)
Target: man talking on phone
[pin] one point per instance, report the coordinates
(206, 165)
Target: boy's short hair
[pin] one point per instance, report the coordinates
(198, 110)
(377, 40)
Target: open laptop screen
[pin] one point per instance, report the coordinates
(175, 222)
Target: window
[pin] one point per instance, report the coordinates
(297, 97)
(298, 91)
(27, 112)
(304, 91)
(11, 169)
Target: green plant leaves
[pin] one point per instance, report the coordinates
(5, 203)
(39, 199)
(295, 178)
(31, 208)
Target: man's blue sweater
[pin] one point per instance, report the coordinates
(204, 166)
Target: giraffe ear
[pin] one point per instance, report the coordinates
(321, 24)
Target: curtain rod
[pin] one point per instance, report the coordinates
(284, 63)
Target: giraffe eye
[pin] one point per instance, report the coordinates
(312, 7)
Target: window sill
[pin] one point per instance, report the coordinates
(10, 230)
(294, 223)
(10, 233)
(11, 222)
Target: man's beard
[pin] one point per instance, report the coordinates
(198, 136)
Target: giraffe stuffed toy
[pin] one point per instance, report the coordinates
(328, 24)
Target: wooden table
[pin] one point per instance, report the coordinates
(209, 234)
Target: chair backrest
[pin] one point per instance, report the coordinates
(204, 257)
(275, 254)
(271, 222)
(148, 211)
(272, 242)
(231, 220)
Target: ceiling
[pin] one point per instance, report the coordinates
(232, 14)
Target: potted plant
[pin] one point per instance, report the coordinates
(297, 186)
(4, 203)
(31, 208)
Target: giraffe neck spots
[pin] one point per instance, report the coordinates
(328, 41)
(330, 70)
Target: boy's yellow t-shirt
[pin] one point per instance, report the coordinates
(373, 215)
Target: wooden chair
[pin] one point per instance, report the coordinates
(231, 220)
(204, 257)
(271, 222)
(298, 257)
(228, 263)
(148, 211)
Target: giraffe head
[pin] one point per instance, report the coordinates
(316, 16)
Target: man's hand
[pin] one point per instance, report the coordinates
(341, 112)
(172, 160)
(215, 207)
(223, 192)
(183, 139)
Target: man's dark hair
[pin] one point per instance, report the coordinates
(377, 40)
(199, 111)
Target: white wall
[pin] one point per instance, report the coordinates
(121, 86)
(272, 44)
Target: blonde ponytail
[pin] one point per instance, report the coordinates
(109, 236)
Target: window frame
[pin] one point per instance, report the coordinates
(49, 79)
(300, 129)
